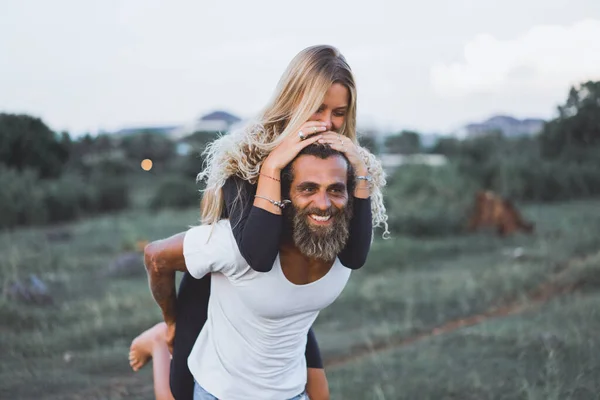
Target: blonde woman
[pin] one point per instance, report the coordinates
(315, 101)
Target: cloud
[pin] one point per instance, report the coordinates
(546, 59)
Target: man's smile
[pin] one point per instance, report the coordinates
(320, 219)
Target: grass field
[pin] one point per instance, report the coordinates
(461, 317)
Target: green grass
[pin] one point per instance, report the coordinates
(77, 347)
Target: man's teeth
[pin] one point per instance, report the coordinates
(320, 218)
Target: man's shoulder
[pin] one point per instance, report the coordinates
(214, 244)
(215, 235)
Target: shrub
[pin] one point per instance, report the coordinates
(428, 201)
(68, 198)
(176, 192)
(21, 198)
(109, 193)
(27, 200)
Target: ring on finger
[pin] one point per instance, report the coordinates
(314, 129)
(301, 135)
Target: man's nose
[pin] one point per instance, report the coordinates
(322, 201)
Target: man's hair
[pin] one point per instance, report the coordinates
(322, 151)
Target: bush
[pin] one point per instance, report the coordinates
(26, 142)
(176, 192)
(535, 179)
(21, 198)
(109, 193)
(514, 168)
(27, 200)
(68, 198)
(428, 201)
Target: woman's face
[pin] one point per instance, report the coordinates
(334, 108)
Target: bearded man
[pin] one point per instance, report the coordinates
(252, 345)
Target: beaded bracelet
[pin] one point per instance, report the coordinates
(281, 204)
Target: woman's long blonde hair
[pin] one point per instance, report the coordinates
(298, 96)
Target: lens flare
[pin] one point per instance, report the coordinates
(147, 164)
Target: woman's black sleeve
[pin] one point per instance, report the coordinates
(312, 353)
(354, 254)
(256, 231)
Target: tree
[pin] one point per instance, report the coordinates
(448, 146)
(26, 142)
(577, 127)
(148, 144)
(406, 142)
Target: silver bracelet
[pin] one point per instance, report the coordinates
(281, 204)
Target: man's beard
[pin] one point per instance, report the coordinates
(322, 242)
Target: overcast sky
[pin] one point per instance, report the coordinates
(430, 65)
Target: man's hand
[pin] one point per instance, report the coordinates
(170, 336)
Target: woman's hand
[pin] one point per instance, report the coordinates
(345, 145)
(287, 150)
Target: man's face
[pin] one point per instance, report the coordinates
(320, 212)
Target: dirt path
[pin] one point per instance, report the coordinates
(542, 294)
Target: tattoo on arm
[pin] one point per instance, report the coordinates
(162, 259)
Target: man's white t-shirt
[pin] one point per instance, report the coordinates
(252, 345)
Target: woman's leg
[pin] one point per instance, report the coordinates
(152, 343)
(191, 308)
(171, 374)
(317, 386)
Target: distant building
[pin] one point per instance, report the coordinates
(217, 121)
(508, 126)
(162, 129)
(390, 162)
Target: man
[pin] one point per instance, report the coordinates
(252, 345)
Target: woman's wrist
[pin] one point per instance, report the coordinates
(362, 189)
(361, 169)
(271, 170)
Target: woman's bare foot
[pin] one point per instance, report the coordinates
(143, 346)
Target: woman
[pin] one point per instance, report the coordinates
(315, 101)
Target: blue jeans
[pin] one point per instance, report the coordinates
(201, 394)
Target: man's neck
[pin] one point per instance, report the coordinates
(299, 268)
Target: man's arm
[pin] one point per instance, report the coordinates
(162, 259)
(200, 250)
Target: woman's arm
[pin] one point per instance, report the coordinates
(354, 254)
(257, 231)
